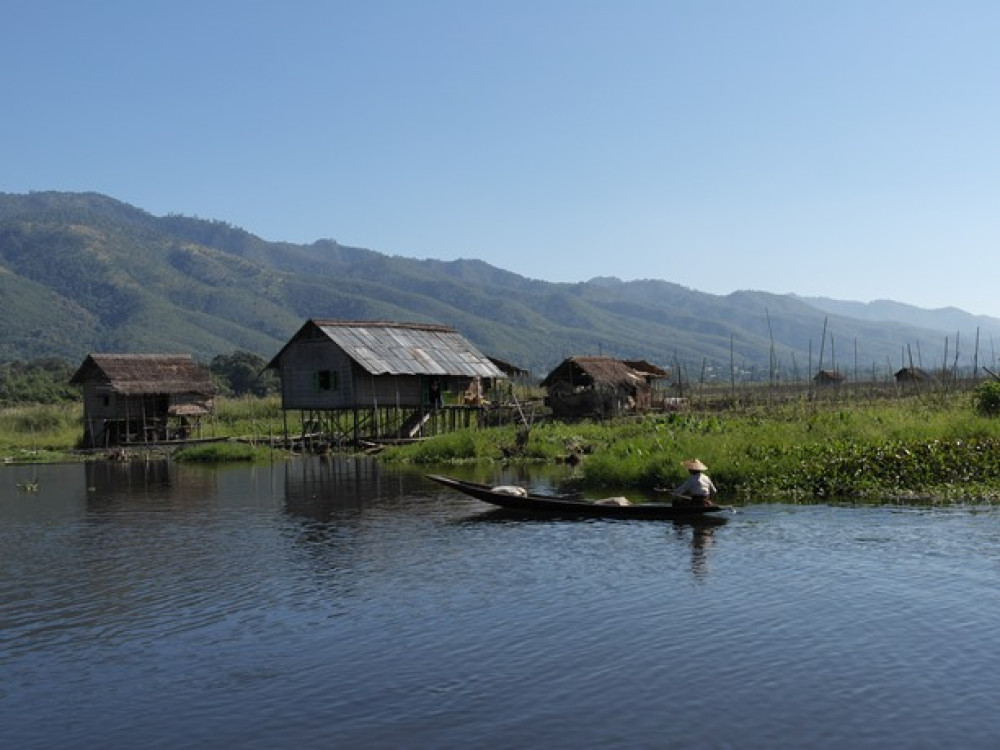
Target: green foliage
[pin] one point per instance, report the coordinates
(247, 417)
(897, 450)
(242, 373)
(36, 431)
(223, 453)
(43, 381)
(987, 398)
(455, 446)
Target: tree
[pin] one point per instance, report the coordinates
(242, 373)
(41, 381)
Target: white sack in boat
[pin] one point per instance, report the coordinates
(614, 501)
(509, 489)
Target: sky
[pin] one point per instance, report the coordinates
(836, 148)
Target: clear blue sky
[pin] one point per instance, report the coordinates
(839, 148)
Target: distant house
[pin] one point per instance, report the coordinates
(136, 398)
(828, 377)
(596, 386)
(386, 374)
(911, 375)
(511, 371)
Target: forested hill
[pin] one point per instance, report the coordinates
(82, 272)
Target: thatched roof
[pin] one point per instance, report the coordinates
(133, 374)
(592, 371)
(647, 369)
(511, 371)
(386, 348)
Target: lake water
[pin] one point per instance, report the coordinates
(339, 604)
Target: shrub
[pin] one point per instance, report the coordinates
(987, 398)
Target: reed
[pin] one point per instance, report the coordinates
(37, 432)
(246, 417)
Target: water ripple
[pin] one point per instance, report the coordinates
(387, 614)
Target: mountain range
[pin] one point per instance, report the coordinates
(84, 272)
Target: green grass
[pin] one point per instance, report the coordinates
(247, 417)
(39, 432)
(224, 453)
(940, 448)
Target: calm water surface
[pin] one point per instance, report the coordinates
(336, 604)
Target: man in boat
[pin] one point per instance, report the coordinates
(697, 490)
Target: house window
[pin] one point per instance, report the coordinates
(327, 380)
(107, 400)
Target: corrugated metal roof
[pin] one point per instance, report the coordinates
(384, 348)
(132, 374)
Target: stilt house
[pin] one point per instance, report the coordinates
(378, 379)
(140, 398)
(596, 386)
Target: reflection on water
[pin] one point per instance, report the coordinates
(325, 488)
(118, 485)
(338, 603)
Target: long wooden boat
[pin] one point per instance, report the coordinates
(553, 505)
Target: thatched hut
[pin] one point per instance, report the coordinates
(596, 386)
(828, 377)
(911, 375)
(141, 398)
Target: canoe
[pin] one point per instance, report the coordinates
(554, 505)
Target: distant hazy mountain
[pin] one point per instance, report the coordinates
(945, 319)
(84, 272)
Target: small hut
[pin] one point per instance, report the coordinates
(141, 398)
(911, 375)
(828, 377)
(596, 386)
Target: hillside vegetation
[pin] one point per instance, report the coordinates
(82, 272)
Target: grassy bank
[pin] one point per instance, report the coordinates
(939, 449)
(39, 432)
(52, 432)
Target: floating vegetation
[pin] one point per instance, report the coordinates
(224, 452)
(939, 451)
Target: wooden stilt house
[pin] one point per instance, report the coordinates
(377, 380)
(142, 398)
